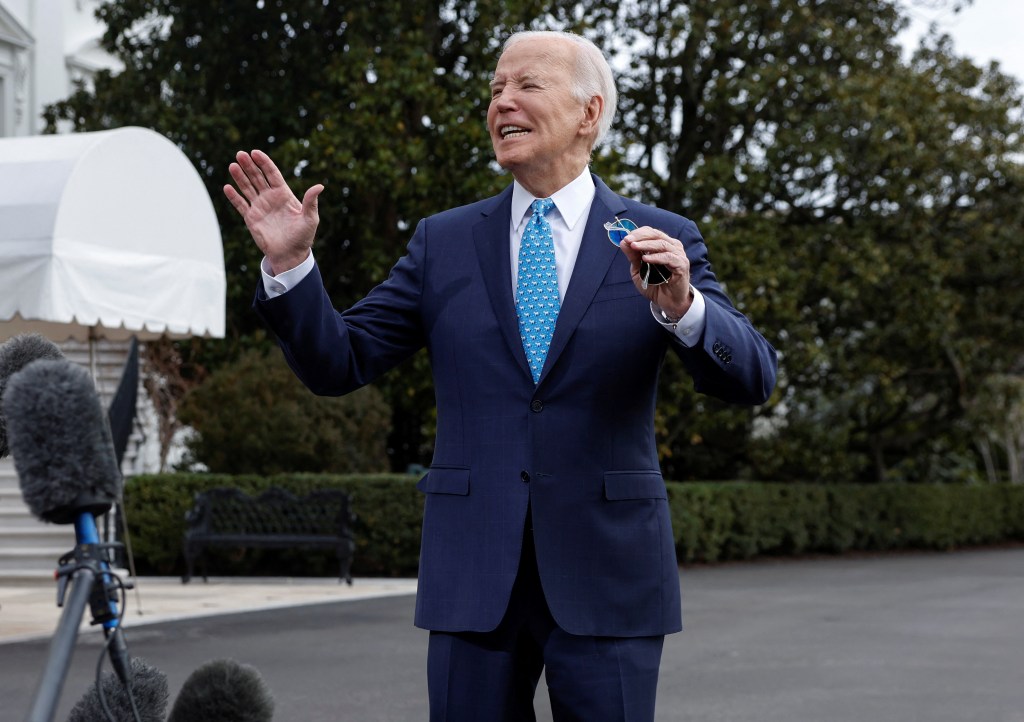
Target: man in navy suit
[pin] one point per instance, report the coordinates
(547, 543)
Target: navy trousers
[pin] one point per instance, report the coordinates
(492, 676)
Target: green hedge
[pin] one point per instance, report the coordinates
(712, 521)
(722, 521)
(388, 509)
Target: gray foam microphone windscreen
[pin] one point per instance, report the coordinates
(15, 354)
(61, 442)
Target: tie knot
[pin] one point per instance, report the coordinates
(541, 206)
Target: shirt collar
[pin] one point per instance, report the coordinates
(571, 200)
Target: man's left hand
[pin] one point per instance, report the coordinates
(653, 246)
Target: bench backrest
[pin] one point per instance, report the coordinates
(224, 510)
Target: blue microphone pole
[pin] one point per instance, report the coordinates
(104, 598)
(92, 586)
(68, 472)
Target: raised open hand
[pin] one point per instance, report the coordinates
(282, 227)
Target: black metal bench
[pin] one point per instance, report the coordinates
(226, 517)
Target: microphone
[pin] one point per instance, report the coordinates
(68, 473)
(61, 441)
(17, 353)
(148, 690)
(223, 691)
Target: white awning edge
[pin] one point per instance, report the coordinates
(116, 236)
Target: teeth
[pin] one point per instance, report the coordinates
(508, 131)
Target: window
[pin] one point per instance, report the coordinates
(3, 107)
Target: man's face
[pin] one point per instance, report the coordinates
(534, 121)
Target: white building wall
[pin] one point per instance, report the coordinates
(45, 47)
(16, 48)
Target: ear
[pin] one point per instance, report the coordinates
(591, 115)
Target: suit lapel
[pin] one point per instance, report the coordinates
(491, 236)
(595, 257)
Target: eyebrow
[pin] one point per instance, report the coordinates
(520, 78)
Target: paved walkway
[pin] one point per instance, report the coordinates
(28, 610)
(902, 638)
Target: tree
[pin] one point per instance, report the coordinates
(860, 208)
(995, 420)
(253, 416)
(863, 210)
(167, 378)
(383, 101)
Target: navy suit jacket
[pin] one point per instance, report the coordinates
(578, 447)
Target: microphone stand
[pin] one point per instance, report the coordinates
(92, 584)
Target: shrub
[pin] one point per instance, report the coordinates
(388, 512)
(712, 521)
(255, 416)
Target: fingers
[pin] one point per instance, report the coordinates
(646, 233)
(242, 178)
(254, 173)
(260, 191)
(268, 169)
(654, 246)
(309, 202)
(659, 265)
(241, 205)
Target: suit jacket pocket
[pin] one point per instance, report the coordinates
(615, 291)
(445, 480)
(620, 485)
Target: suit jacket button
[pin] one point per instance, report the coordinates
(536, 406)
(525, 476)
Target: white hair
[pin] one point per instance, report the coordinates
(591, 76)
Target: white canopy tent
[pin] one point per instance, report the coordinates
(107, 235)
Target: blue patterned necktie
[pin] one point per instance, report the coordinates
(537, 287)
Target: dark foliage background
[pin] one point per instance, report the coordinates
(713, 521)
(253, 416)
(864, 210)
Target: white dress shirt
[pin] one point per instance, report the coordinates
(568, 219)
(572, 204)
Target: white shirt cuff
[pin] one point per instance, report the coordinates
(286, 280)
(689, 328)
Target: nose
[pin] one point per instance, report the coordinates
(506, 101)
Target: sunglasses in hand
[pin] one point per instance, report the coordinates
(651, 274)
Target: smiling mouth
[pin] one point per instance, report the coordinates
(513, 131)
